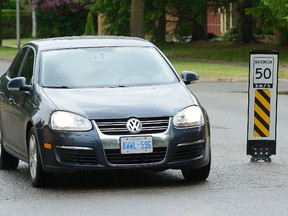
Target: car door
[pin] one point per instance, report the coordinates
(14, 111)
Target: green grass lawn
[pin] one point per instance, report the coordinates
(220, 50)
(207, 69)
(216, 70)
(220, 59)
(209, 59)
(7, 53)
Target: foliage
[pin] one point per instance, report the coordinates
(11, 4)
(230, 35)
(117, 15)
(191, 15)
(73, 5)
(9, 24)
(61, 21)
(89, 28)
(155, 20)
(279, 10)
(265, 22)
(274, 17)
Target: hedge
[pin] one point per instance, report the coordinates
(9, 24)
(60, 22)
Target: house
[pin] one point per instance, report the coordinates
(220, 20)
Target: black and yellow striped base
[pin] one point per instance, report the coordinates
(262, 113)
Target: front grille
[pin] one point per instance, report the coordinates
(115, 157)
(189, 152)
(76, 156)
(118, 126)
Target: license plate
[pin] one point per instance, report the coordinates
(136, 145)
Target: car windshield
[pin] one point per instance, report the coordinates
(104, 67)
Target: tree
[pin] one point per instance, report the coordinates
(1, 36)
(116, 15)
(89, 28)
(137, 18)
(34, 20)
(62, 17)
(155, 20)
(279, 10)
(245, 22)
(191, 18)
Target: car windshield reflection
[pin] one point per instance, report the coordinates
(104, 67)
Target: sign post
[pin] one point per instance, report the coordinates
(262, 108)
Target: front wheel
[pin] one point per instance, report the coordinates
(200, 174)
(38, 176)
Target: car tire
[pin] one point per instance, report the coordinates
(200, 174)
(7, 161)
(38, 176)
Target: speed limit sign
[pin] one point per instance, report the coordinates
(262, 110)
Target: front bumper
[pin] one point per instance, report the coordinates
(175, 148)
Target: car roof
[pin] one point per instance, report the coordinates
(89, 41)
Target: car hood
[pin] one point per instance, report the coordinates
(103, 103)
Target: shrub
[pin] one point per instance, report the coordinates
(89, 28)
(230, 35)
(9, 24)
(60, 21)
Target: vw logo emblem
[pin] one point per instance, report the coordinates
(134, 125)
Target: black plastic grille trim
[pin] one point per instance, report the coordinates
(115, 157)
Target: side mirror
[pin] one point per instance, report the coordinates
(189, 76)
(18, 84)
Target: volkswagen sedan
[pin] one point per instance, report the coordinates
(96, 103)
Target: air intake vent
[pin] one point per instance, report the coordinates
(76, 156)
(115, 157)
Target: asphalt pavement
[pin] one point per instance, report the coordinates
(4, 65)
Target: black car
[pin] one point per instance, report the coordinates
(98, 103)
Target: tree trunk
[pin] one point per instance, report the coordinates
(34, 19)
(34, 23)
(200, 23)
(137, 18)
(161, 27)
(245, 23)
(1, 35)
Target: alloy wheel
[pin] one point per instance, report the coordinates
(33, 157)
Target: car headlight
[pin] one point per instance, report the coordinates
(188, 117)
(62, 120)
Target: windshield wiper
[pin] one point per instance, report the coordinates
(120, 86)
(60, 87)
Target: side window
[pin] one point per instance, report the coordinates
(28, 64)
(16, 64)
